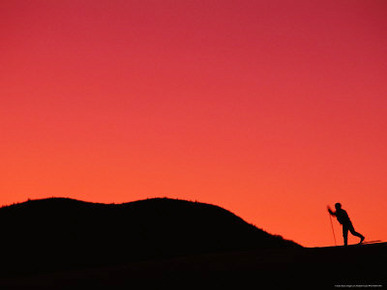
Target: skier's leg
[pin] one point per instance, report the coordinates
(353, 232)
(345, 234)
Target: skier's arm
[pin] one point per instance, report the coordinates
(330, 211)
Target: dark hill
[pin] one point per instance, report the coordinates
(60, 233)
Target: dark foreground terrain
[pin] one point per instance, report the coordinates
(163, 244)
(355, 267)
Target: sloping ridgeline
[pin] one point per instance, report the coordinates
(60, 233)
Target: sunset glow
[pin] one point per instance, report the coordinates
(270, 109)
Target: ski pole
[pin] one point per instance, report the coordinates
(333, 231)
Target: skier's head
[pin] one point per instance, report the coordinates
(338, 205)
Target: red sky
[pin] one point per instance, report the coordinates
(270, 109)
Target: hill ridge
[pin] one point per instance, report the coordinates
(63, 232)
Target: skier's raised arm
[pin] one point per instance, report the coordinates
(330, 211)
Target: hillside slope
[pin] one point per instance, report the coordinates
(279, 268)
(60, 233)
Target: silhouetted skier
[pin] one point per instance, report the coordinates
(343, 218)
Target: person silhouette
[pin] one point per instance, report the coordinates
(343, 219)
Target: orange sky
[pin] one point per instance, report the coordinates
(270, 109)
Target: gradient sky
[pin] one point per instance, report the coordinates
(270, 109)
